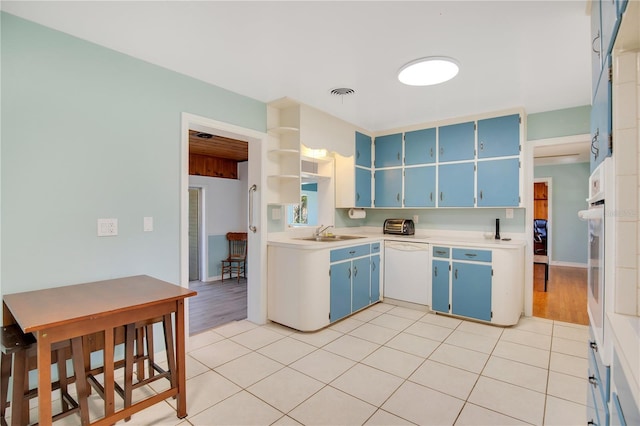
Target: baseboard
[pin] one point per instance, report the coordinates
(569, 264)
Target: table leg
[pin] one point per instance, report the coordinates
(109, 385)
(44, 378)
(180, 360)
(546, 275)
(82, 387)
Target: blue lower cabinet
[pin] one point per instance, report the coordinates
(361, 287)
(440, 285)
(340, 299)
(375, 278)
(455, 185)
(471, 290)
(499, 183)
(420, 186)
(388, 188)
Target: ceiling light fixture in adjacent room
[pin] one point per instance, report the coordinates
(428, 71)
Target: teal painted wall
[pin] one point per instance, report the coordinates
(218, 250)
(570, 189)
(563, 122)
(91, 133)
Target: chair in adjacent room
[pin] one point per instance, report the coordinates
(540, 236)
(237, 258)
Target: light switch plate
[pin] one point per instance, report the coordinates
(107, 227)
(148, 224)
(509, 213)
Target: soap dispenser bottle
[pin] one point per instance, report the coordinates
(497, 229)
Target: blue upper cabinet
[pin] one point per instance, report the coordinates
(601, 121)
(420, 147)
(455, 185)
(363, 150)
(596, 45)
(499, 183)
(363, 187)
(457, 142)
(388, 188)
(608, 24)
(499, 136)
(388, 150)
(420, 186)
(621, 6)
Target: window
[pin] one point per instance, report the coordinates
(305, 213)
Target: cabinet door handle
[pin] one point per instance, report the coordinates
(593, 345)
(435, 271)
(349, 270)
(431, 196)
(352, 252)
(594, 42)
(481, 146)
(440, 195)
(481, 194)
(470, 254)
(431, 152)
(455, 273)
(355, 271)
(373, 266)
(593, 381)
(357, 154)
(398, 197)
(398, 156)
(595, 144)
(441, 252)
(357, 196)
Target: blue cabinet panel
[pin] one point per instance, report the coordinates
(499, 136)
(471, 290)
(363, 150)
(609, 23)
(375, 278)
(596, 45)
(349, 252)
(388, 188)
(601, 120)
(388, 150)
(361, 270)
(440, 285)
(499, 183)
(375, 248)
(340, 299)
(420, 186)
(628, 408)
(456, 142)
(621, 6)
(472, 254)
(455, 182)
(442, 252)
(420, 147)
(363, 187)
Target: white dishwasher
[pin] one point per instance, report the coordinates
(407, 271)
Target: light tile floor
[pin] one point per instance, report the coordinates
(386, 365)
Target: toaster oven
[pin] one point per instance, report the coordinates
(399, 227)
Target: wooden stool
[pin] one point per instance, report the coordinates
(20, 348)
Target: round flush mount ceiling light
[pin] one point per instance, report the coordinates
(428, 71)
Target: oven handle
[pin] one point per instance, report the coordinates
(595, 213)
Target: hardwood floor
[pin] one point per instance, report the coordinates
(566, 296)
(217, 303)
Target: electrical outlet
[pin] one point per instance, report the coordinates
(107, 227)
(415, 218)
(509, 213)
(148, 224)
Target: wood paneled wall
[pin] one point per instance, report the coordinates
(203, 165)
(540, 201)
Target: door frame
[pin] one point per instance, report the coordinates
(548, 181)
(257, 241)
(203, 250)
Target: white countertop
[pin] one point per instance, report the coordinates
(291, 240)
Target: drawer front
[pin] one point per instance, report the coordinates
(472, 254)
(442, 252)
(595, 363)
(375, 248)
(594, 407)
(349, 252)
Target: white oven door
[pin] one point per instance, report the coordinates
(595, 290)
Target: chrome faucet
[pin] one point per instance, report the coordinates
(320, 230)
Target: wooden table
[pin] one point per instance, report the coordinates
(62, 313)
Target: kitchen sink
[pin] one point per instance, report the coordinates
(329, 238)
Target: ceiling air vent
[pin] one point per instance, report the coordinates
(204, 135)
(342, 91)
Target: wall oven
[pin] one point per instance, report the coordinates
(596, 277)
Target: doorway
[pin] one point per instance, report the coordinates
(194, 234)
(256, 259)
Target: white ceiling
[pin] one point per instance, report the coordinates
(531, 54)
